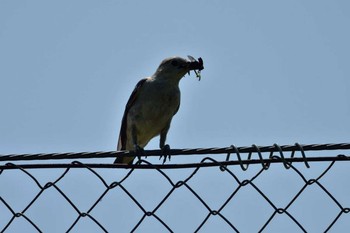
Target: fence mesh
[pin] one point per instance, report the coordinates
(291, 188)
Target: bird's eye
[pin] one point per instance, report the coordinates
(174, 63)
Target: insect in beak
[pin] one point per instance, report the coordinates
(200, 63)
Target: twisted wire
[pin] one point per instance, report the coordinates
(174, 152)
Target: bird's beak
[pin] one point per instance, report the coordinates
(195, 65)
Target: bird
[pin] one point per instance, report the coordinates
(152, 105)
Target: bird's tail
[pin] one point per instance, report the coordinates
(120, 159)
(124, 160)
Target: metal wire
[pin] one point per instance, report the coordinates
(174, 152)
(285, 155)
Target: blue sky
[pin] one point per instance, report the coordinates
(275, 72)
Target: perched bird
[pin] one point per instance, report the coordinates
(152, 105)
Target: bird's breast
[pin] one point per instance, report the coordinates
(155, 107)
(161, 104)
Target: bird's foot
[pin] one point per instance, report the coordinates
(165, 153)
(139, 151)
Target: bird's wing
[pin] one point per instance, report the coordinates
(122, 135)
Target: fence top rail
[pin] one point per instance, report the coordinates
(174, 152)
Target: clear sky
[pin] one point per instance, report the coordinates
(275, 72)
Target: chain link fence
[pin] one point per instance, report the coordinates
(291, 188)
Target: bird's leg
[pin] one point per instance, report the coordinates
(165, 152)
(165, 148)
(137, 149)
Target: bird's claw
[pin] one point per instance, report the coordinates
(139, 151)
(165, 153)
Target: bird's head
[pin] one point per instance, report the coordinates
(176, 67)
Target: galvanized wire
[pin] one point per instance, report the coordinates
(285, 155)
(174, 152)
